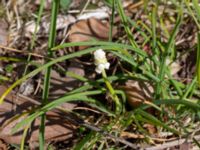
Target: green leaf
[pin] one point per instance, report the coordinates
(9, 68)
(102, 43)
(197, 8)
(198, 59)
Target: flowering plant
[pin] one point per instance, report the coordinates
(100, 61)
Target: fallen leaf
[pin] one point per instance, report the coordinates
(57, 128)
(3, 145)
(90, 29)
(137, 92)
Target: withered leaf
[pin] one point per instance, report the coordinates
(57, 128)
(90, 29)
(137, 92)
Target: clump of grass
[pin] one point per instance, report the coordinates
(172, 99)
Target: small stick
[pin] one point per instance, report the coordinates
(20, 51)
(101, 131)
(172, 143)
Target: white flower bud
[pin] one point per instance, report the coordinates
(100, 61)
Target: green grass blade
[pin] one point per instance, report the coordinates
(133, 63)
(2, 58)
(37, 23)
(153, 22)
(4, 78)
(188, 103)
(150, 118)
(144, 35)
(34, 34)
(125, 23)
(24, 136)
(189, 88)
(45, 93)
(191, 12)
(168, 50)
(101, 43)
(84, 141)
(148, 29)
(175, 83)
(198, 59)
(197, 8)
(112, 21)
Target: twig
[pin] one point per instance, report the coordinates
(85, 6)
(101, 131)
(173, 143)
(89, 109)
(20, 51)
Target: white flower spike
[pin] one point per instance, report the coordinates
(100, 61)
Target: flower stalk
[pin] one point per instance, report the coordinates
(102, 64)
(112, 92)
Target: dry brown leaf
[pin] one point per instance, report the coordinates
(137, 92)
(57, 128)
(3, 145)
(86, 30)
